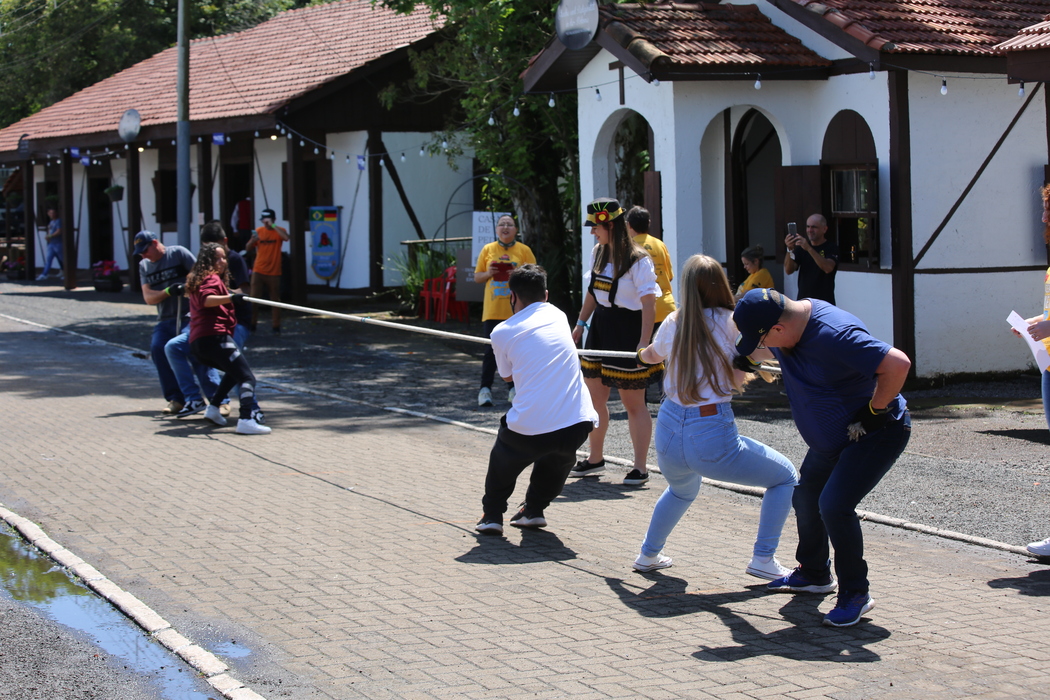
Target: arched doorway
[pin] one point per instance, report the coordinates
(755, 154)
(631, 167)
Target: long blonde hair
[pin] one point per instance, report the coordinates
(703, 286)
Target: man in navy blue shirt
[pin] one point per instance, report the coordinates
(843, 386)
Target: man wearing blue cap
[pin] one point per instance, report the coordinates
(843, 386)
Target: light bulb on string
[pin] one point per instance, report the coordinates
(402, 157)
(347, 159)
(421, 152)
(517, 112)
(301, 143)
(381, 162)
(597, 94)
(273, 137)
(444, 145)
(1020, 90)
(148, 144)
(257, 134)
(173, 142)
(871, 71)
(550, 102)
(758, 82)
(316, 151)
(944, 86)
(331, 156)
(492, 120)
(656, 83)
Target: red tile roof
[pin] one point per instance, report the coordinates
(253, 72)
(1035, 37)
(971, 27)
(704, 35)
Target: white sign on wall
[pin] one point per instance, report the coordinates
(483, 231)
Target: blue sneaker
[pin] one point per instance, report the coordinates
(848, 609)
(796, 582)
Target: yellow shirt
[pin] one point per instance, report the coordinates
(760, 280)
(496, 306)
(664, 273)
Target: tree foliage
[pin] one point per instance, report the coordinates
(50, 49)
(532, 158)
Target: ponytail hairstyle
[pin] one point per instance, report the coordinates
(703, 286)
(621, 248)
(207, 264)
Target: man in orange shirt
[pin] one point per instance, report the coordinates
(266, 272)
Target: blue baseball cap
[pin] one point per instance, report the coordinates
(143, 239)
(755, 313)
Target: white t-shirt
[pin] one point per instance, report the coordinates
(534, 346)
(724, 331)
(637, 282)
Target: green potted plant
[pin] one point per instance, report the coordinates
(115, 193)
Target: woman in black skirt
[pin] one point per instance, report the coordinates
(619, 311)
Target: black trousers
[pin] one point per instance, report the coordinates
(488, 364)
(220, 352)
(553, 455)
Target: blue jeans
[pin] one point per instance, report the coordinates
(184, 366)
(826, 503)
(1046, 396)
(162, 333)
(54, 254)
(690, 446)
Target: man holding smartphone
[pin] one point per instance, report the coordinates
(816, 259)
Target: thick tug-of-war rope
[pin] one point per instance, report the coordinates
(432, 331)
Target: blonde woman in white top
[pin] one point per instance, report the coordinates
(696, 433)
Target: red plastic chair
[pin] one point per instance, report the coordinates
(432, 291)
(447, 304)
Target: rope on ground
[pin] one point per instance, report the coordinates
(443, 334)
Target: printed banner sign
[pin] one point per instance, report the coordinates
(324, 233)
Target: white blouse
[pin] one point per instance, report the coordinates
(639, 281)
(724, 331)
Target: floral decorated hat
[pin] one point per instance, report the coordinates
(602, 211)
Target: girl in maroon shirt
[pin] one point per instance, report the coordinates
(212, 321)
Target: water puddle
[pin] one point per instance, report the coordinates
(31, 578)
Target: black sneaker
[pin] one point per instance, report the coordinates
(635, 478)
(527, 517)
(489, 525)
(585, 468)
(191, 408)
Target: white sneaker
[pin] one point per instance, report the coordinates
(1040, 549)
(485, 396)
(214, 414)
(253, 425)
(511, 394)
(644, 563)
(767, 567)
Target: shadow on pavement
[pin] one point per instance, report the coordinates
(1039, 435)
(590, 488)
(1037, 583)
(536, 546)
(806, 640)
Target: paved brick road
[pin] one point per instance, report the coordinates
(340, 550)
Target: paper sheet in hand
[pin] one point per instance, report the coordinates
(1036, 346)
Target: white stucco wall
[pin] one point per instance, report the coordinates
(353, 217)
(429, 183)
(960, 318)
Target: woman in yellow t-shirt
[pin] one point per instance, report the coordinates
(758, 277)
(495, 263)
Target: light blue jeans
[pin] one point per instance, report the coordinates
(54, 254)
(690, 446)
